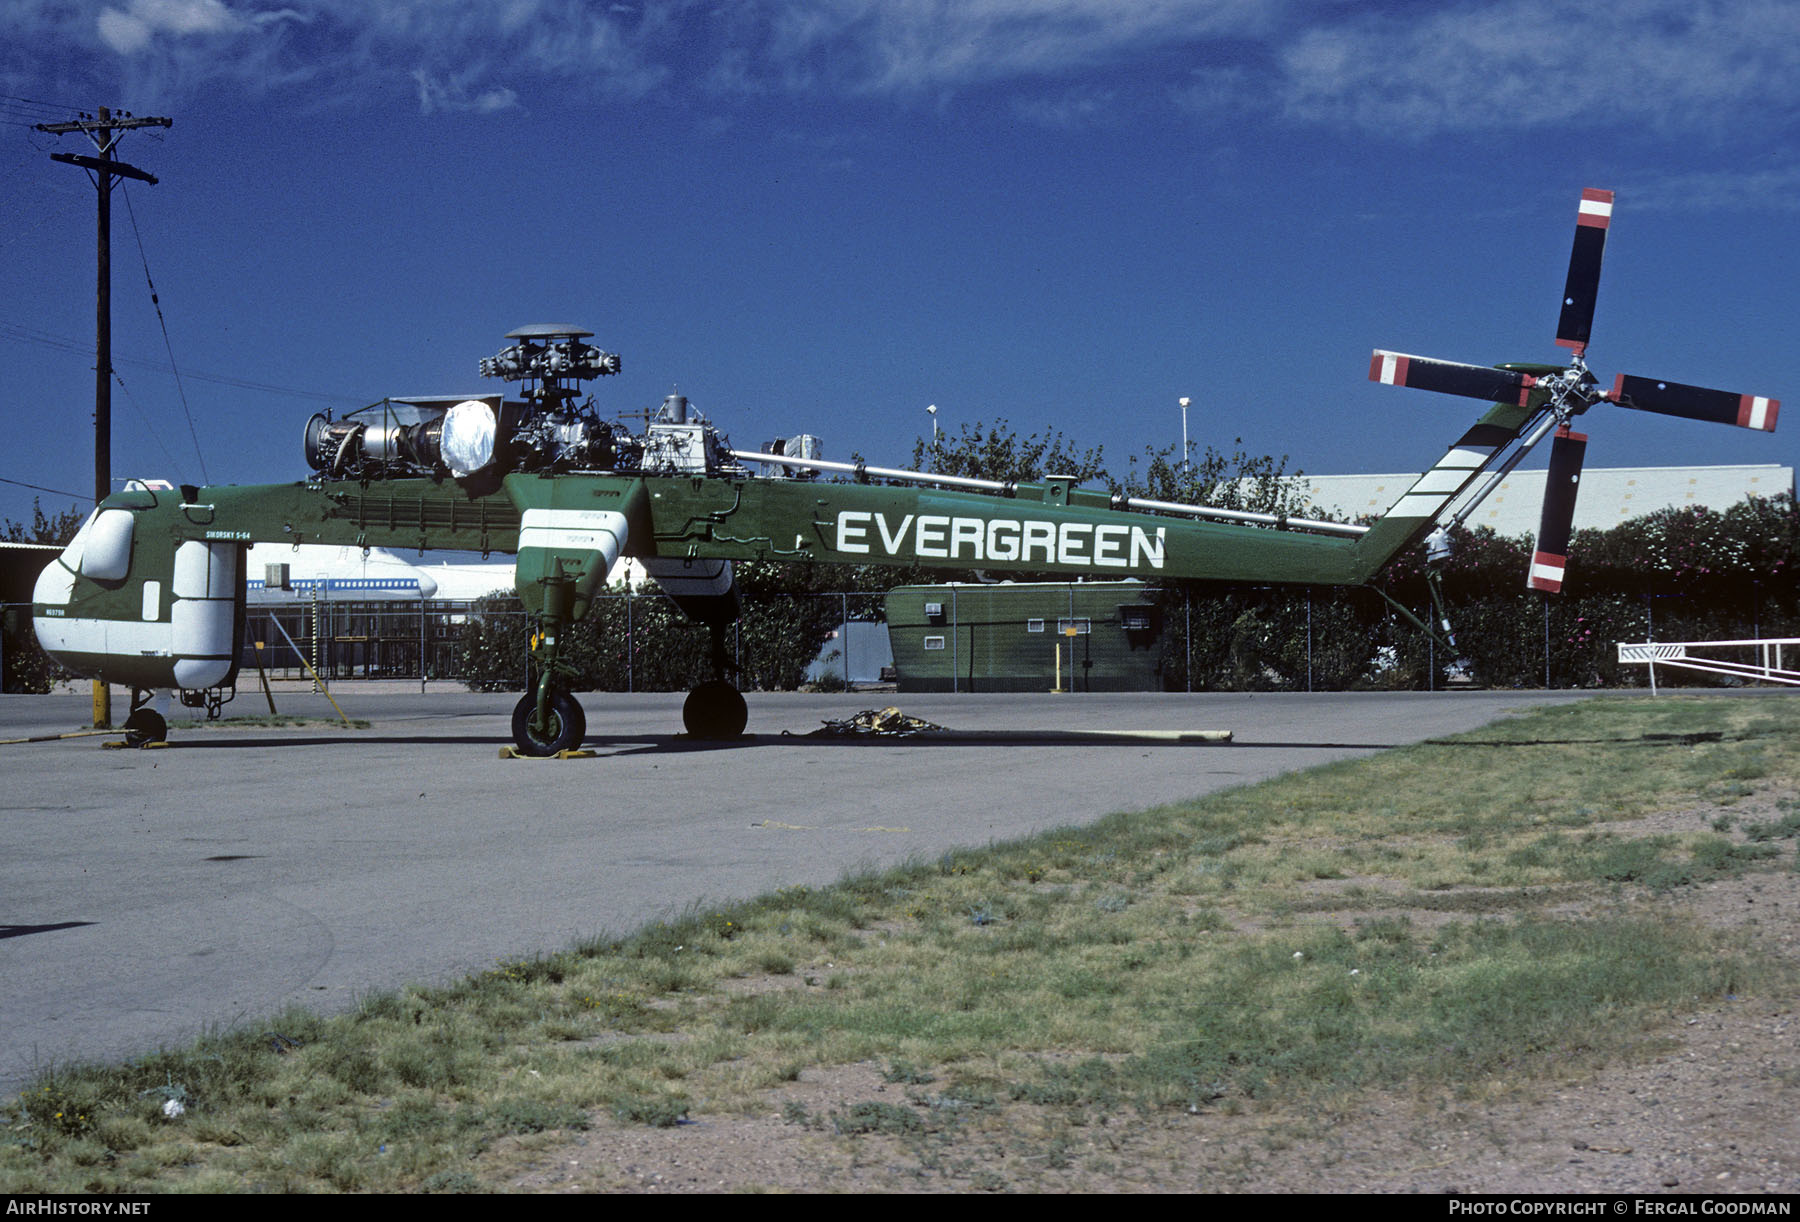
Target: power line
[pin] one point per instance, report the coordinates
(18, 483)
(180, 390)
(48, 108)
(30, 335)
(149, 426)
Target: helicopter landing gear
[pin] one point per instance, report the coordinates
(548, 720)
(561, 728)
(144, 725)
(716, 708)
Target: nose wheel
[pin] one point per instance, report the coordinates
(145, 726)
(563, 727)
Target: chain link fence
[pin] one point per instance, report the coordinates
(1243, 640)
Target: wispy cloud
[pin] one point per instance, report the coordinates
(1071, 108)
(906, 46)
(1737, 189)
(1402, 68)
(455, 96)
(1671, 65)
(461, 55)
(131, 30)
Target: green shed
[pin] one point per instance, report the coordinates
(1086, 636)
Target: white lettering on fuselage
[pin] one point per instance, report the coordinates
(1002, 540)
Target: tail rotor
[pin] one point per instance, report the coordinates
(1560, 393)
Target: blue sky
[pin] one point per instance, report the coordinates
(822, 215)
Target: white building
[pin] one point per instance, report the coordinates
(1609, 495)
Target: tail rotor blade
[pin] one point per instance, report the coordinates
(1550, 555)
(1583, 286)
(1695, 402)
(1451, 378)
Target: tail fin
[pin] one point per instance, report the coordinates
(1412, 517)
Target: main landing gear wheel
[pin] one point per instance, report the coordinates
(145, 725)
(568, 725)
(715, 709)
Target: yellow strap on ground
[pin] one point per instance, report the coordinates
(50, 738)
(513, 753)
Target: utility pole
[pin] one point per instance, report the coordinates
(101, 129)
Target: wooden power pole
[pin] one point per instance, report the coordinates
(103, 129)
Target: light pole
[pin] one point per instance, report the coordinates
(1184, 401)
(1187, 596)
(932, 412)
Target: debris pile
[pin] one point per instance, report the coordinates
(887, 723)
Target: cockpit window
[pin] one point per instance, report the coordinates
(106, 545)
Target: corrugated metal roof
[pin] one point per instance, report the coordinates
(1609, 495)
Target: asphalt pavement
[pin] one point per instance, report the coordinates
(149, 896)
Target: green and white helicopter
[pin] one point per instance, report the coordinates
(151, 593)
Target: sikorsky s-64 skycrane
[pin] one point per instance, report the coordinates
(150, 594)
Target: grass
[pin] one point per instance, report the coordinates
(1459, 916)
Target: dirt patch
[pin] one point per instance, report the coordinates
(1719, 1111)
(1710, 1103)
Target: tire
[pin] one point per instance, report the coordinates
(145, 726)
(715, 710)
(568, 725)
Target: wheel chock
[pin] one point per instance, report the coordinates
(574, 753)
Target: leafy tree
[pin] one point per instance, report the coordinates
(495, 639)
(1241, 481)
(27, 667)
(996, 452)
(1243, 638)
(56, 528)
(640, 640)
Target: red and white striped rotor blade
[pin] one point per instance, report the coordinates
(1556, 523)
(1695, 402)
(1576, 323)
(1451, 377)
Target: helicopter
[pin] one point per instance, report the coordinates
(150, 593)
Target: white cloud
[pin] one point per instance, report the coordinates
(122, 32)
(186, 16)
(471, 55)
(1738, 189)
(131, 31)
(1401, 67)
(906, 46)
(1524, 64)
(455, 97)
